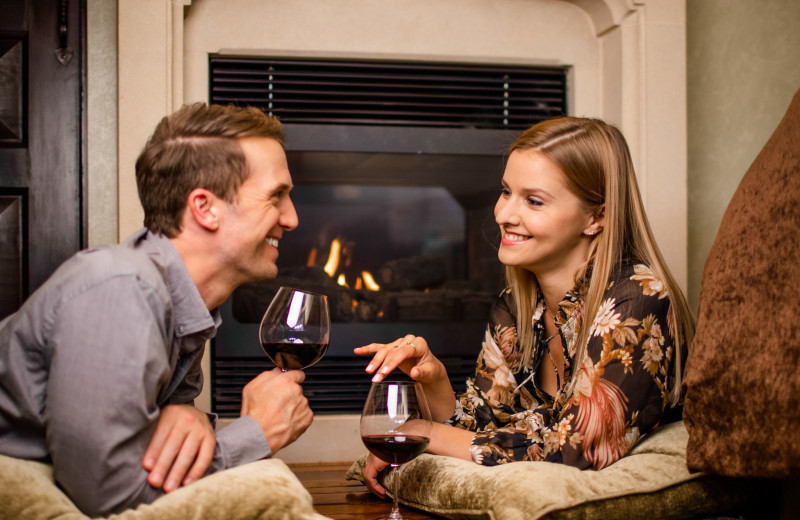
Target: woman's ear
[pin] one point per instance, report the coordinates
(203, 208)
(597, 222)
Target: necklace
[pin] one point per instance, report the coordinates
(550, 352)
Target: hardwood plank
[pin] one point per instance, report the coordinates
(342, 499)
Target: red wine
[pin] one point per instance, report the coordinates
(295, 356)
(395, 449)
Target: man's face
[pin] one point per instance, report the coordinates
(262, 211)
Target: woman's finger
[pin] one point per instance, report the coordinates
(394, 357)
(381, 351)
(370, 472)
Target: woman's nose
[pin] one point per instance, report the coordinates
(504, 211)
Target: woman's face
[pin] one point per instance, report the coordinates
(545, 227)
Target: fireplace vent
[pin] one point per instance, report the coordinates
(391, 93)
(338, 385)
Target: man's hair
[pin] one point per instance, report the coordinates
(196, 147)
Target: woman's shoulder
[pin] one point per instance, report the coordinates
(635, 286)
(638, 275)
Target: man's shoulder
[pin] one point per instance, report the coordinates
(109, 263)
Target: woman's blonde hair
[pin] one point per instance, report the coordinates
(595, 159)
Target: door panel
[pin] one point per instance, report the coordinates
(41, 136)
(13, 265)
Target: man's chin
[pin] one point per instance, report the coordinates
(265, 275)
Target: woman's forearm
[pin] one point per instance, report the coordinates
(450, 441)
(440, 396)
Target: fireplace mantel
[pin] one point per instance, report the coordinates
(627, 61)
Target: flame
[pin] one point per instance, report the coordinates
(312, 257)
(369, 281)
(332, 265)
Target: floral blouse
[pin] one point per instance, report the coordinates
(620, 394)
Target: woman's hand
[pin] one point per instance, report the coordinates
(373, 466)
(444, 440)
(410, 354)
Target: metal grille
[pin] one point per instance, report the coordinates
(391, 93)
(335, 385)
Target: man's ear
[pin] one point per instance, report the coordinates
(203, 207)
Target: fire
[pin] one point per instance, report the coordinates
(369, 281)
(332, 266)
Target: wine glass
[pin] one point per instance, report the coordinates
(295, 330)
(395, 426)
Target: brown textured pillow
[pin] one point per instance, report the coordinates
(263, 490)
(742, 406)
(652, 481)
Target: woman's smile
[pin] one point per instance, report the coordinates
(509, 239)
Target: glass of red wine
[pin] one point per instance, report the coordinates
(395, 426)
(295, 330)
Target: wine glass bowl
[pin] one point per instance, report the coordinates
(396, 426)
(295, 329)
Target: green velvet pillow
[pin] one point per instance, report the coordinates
(263, 490)
(652, 481)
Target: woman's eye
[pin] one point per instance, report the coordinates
(505, 191)
(534, 202)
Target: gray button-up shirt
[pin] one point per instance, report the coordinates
(86, 364)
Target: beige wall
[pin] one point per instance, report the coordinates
(743, 69)
(101, 100)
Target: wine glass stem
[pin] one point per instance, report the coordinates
(395, 514)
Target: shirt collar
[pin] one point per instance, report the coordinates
(190, 314)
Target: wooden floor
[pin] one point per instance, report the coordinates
(342, 499)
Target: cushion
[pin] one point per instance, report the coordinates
(742, 406)
(263, 490)
(652, 481)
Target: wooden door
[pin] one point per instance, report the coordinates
(41, 137)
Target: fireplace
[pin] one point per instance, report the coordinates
(397, 168)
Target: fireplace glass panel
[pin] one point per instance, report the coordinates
(428, 249)
(372, 226)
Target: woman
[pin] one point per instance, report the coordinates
(584, 350)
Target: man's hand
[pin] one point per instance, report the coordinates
(181, 449)
(275, 400)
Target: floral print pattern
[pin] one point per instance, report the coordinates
(620, 392)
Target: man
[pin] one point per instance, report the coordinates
(100, 366)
